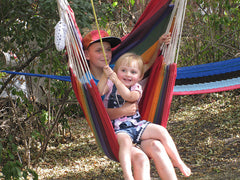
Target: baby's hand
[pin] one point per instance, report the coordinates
(130, 109)
(113, 77)
(165, 38)
(107, 71)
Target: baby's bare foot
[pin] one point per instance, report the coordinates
(183, 168)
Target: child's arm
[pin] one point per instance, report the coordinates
(128, 109)
(127, 95)
(102, 84)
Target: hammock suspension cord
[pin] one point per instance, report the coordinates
(170, 52)
(76, 56)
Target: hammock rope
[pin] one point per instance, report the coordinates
(175, 27)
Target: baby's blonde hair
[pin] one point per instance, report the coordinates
(127, 59)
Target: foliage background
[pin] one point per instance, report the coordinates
(33, 122)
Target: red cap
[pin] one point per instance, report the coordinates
(93, 37)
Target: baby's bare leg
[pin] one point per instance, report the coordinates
(125, 145)
(141, 164)
(157, 132)
(155, 150)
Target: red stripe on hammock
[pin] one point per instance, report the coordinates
(150, 10)
(169, 94)
(74, 85)
(147, 96)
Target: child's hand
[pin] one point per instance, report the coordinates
(107, 71)
(113, 77)
(165, 38)
(130, 109)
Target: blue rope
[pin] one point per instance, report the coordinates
(62, 78)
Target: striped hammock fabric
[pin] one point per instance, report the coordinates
(208, 78)
(159, 17)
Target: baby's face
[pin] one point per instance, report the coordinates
(129, 74)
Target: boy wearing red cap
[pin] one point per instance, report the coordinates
(151, 148)
(94, 53)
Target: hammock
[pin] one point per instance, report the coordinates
(208, 78)
(158, 18)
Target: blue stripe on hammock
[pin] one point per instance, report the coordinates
(210, 85)
(208, 69)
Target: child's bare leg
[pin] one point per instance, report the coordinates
(125, 145)
(155, 150)
(141, 164)
(154, 131)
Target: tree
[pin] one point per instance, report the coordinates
(27, 31)
(211, 32)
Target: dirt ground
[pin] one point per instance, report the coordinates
(205, 128)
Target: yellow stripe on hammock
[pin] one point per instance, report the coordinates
(146, 56)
